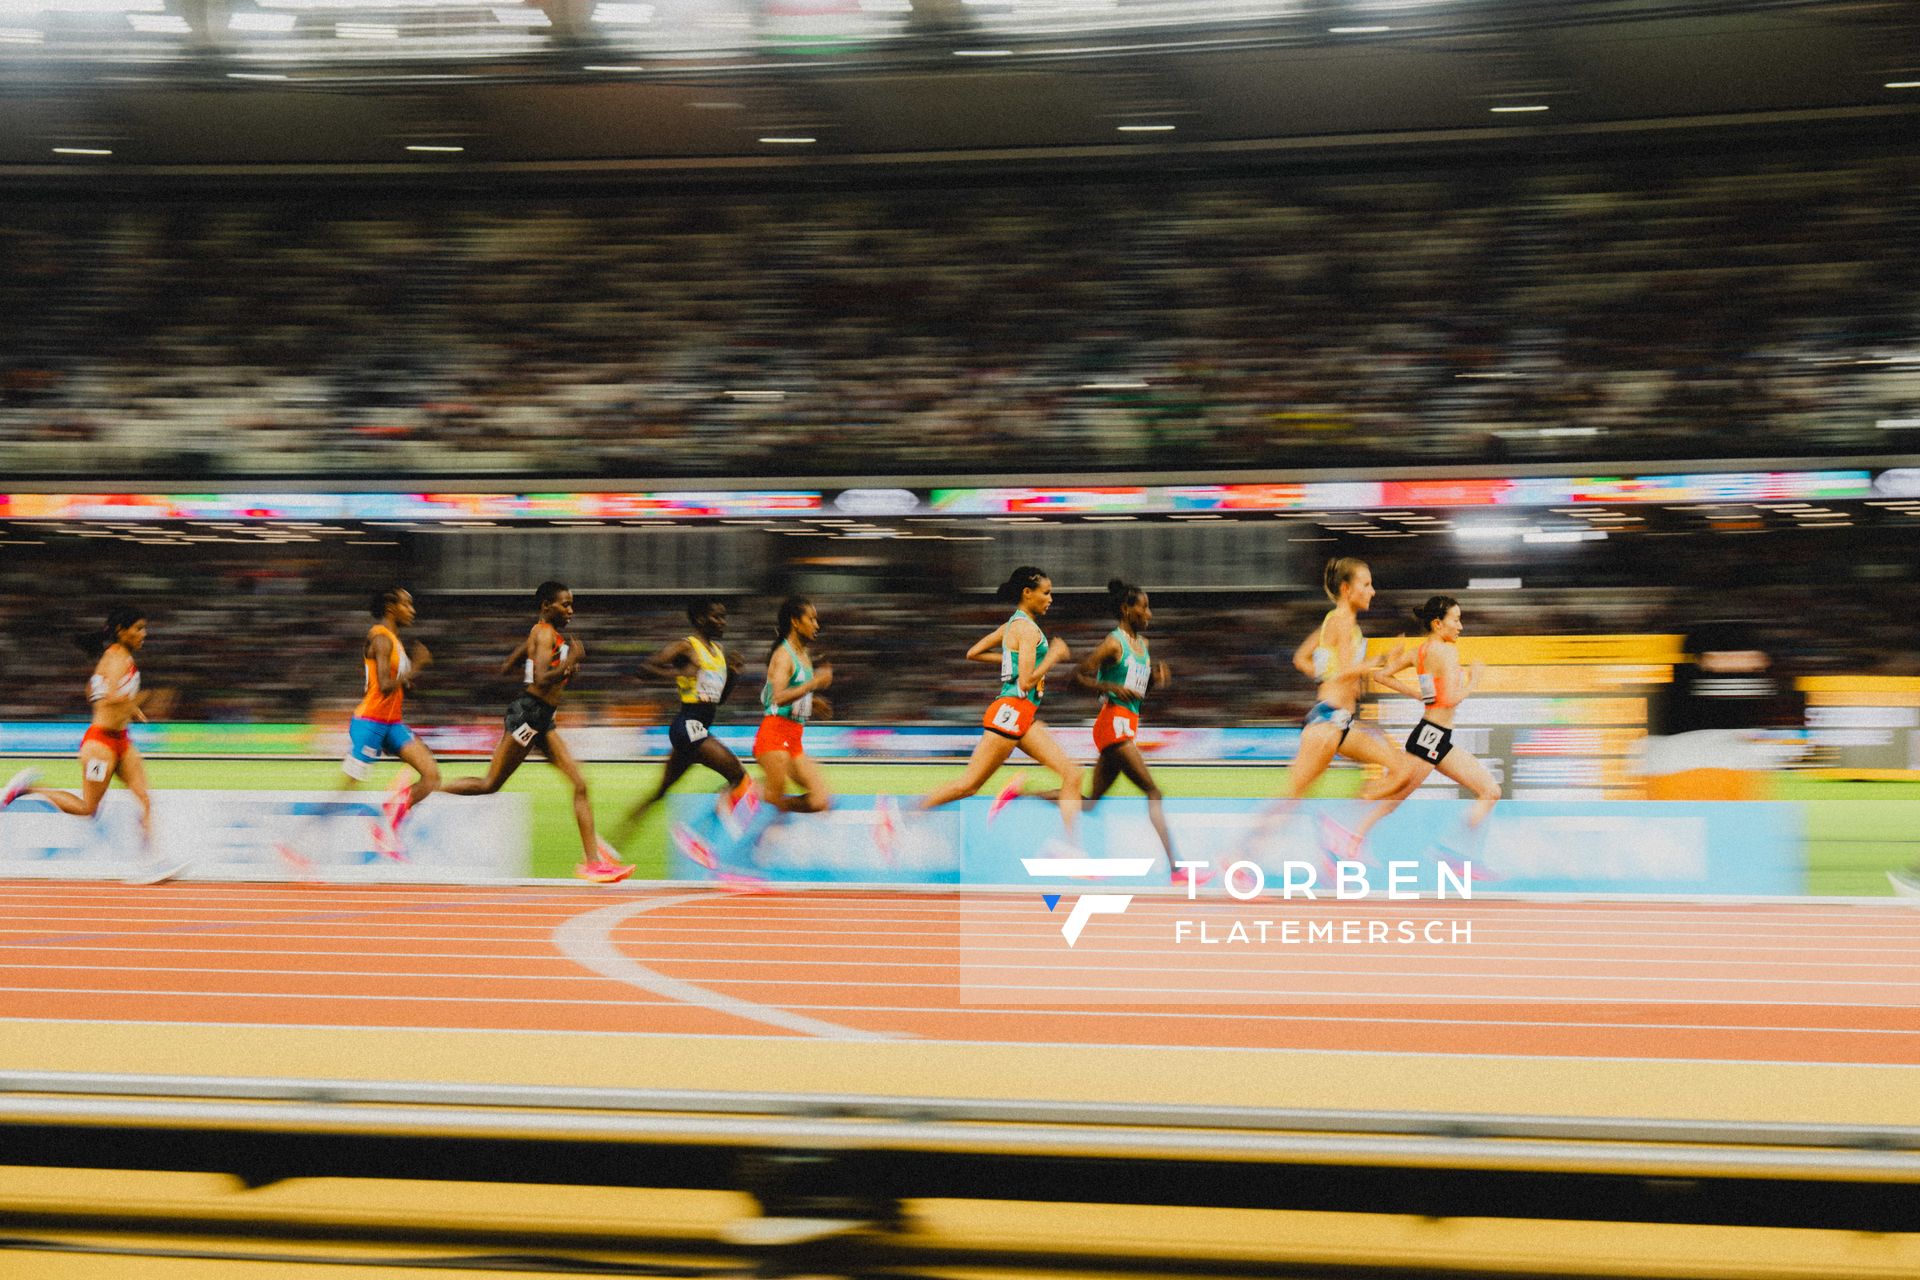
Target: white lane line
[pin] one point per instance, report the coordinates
(1411, 954)
(587, 939)
(813, 911)
(1041, 947)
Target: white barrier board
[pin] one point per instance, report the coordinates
(237, 834)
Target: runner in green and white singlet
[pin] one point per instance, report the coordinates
(1013, 720)
(1121, 671)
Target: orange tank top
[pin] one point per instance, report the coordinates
(375, 705)
(1431, 693)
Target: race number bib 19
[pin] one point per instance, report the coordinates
(525, 734)
(1007, 718)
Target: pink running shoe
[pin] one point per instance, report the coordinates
(17, 786)
(696, 849)
(298, 865)
(1471, 872)
(601, 871)
(737, 807)
(398, 804)
(1340, 842)
(733, 883)
(886, 827)
(1008, 794)
(1182, 874)
(386, 843)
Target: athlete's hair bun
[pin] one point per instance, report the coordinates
(1433, 610)
(1020, 581)
(1122, 593)
(95, 643)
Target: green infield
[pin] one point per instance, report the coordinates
(1858, 831)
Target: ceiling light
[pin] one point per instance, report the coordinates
(1147, 128)
(433, 148)
(81, 151)
(620, 14)
(1357, 31)
(1903, 84)
(784, 141)
(983, 53)
(159, 23)
(1518, 110)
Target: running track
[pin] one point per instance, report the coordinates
(1782, 983)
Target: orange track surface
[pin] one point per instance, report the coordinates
(1815, 983)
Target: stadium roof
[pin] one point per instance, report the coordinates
(730, 83)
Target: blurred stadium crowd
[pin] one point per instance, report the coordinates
(1640, 309)
(240, 640)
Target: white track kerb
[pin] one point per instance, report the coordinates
(587, 939)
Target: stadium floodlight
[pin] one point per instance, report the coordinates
(268, 23)
(622, 14)
(27, 9)
(160, 23)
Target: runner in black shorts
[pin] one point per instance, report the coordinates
(704, 672)
(549, 657)
(1442, 688)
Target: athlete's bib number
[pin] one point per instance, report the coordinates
(803, 707)
(525, 734)
(1428, 689)
(1007, 718)
(1137, 675)
(98, 769)
(709, 685)
(1123, 726)
(695, 731)
(1429, 737)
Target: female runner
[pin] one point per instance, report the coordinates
(1335, 654)
(1120, 670)
(789, 699)
(704, 672)
(106, 749)
(1436, 663)
(1027, 654)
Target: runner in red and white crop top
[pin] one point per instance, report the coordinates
(107, 751)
